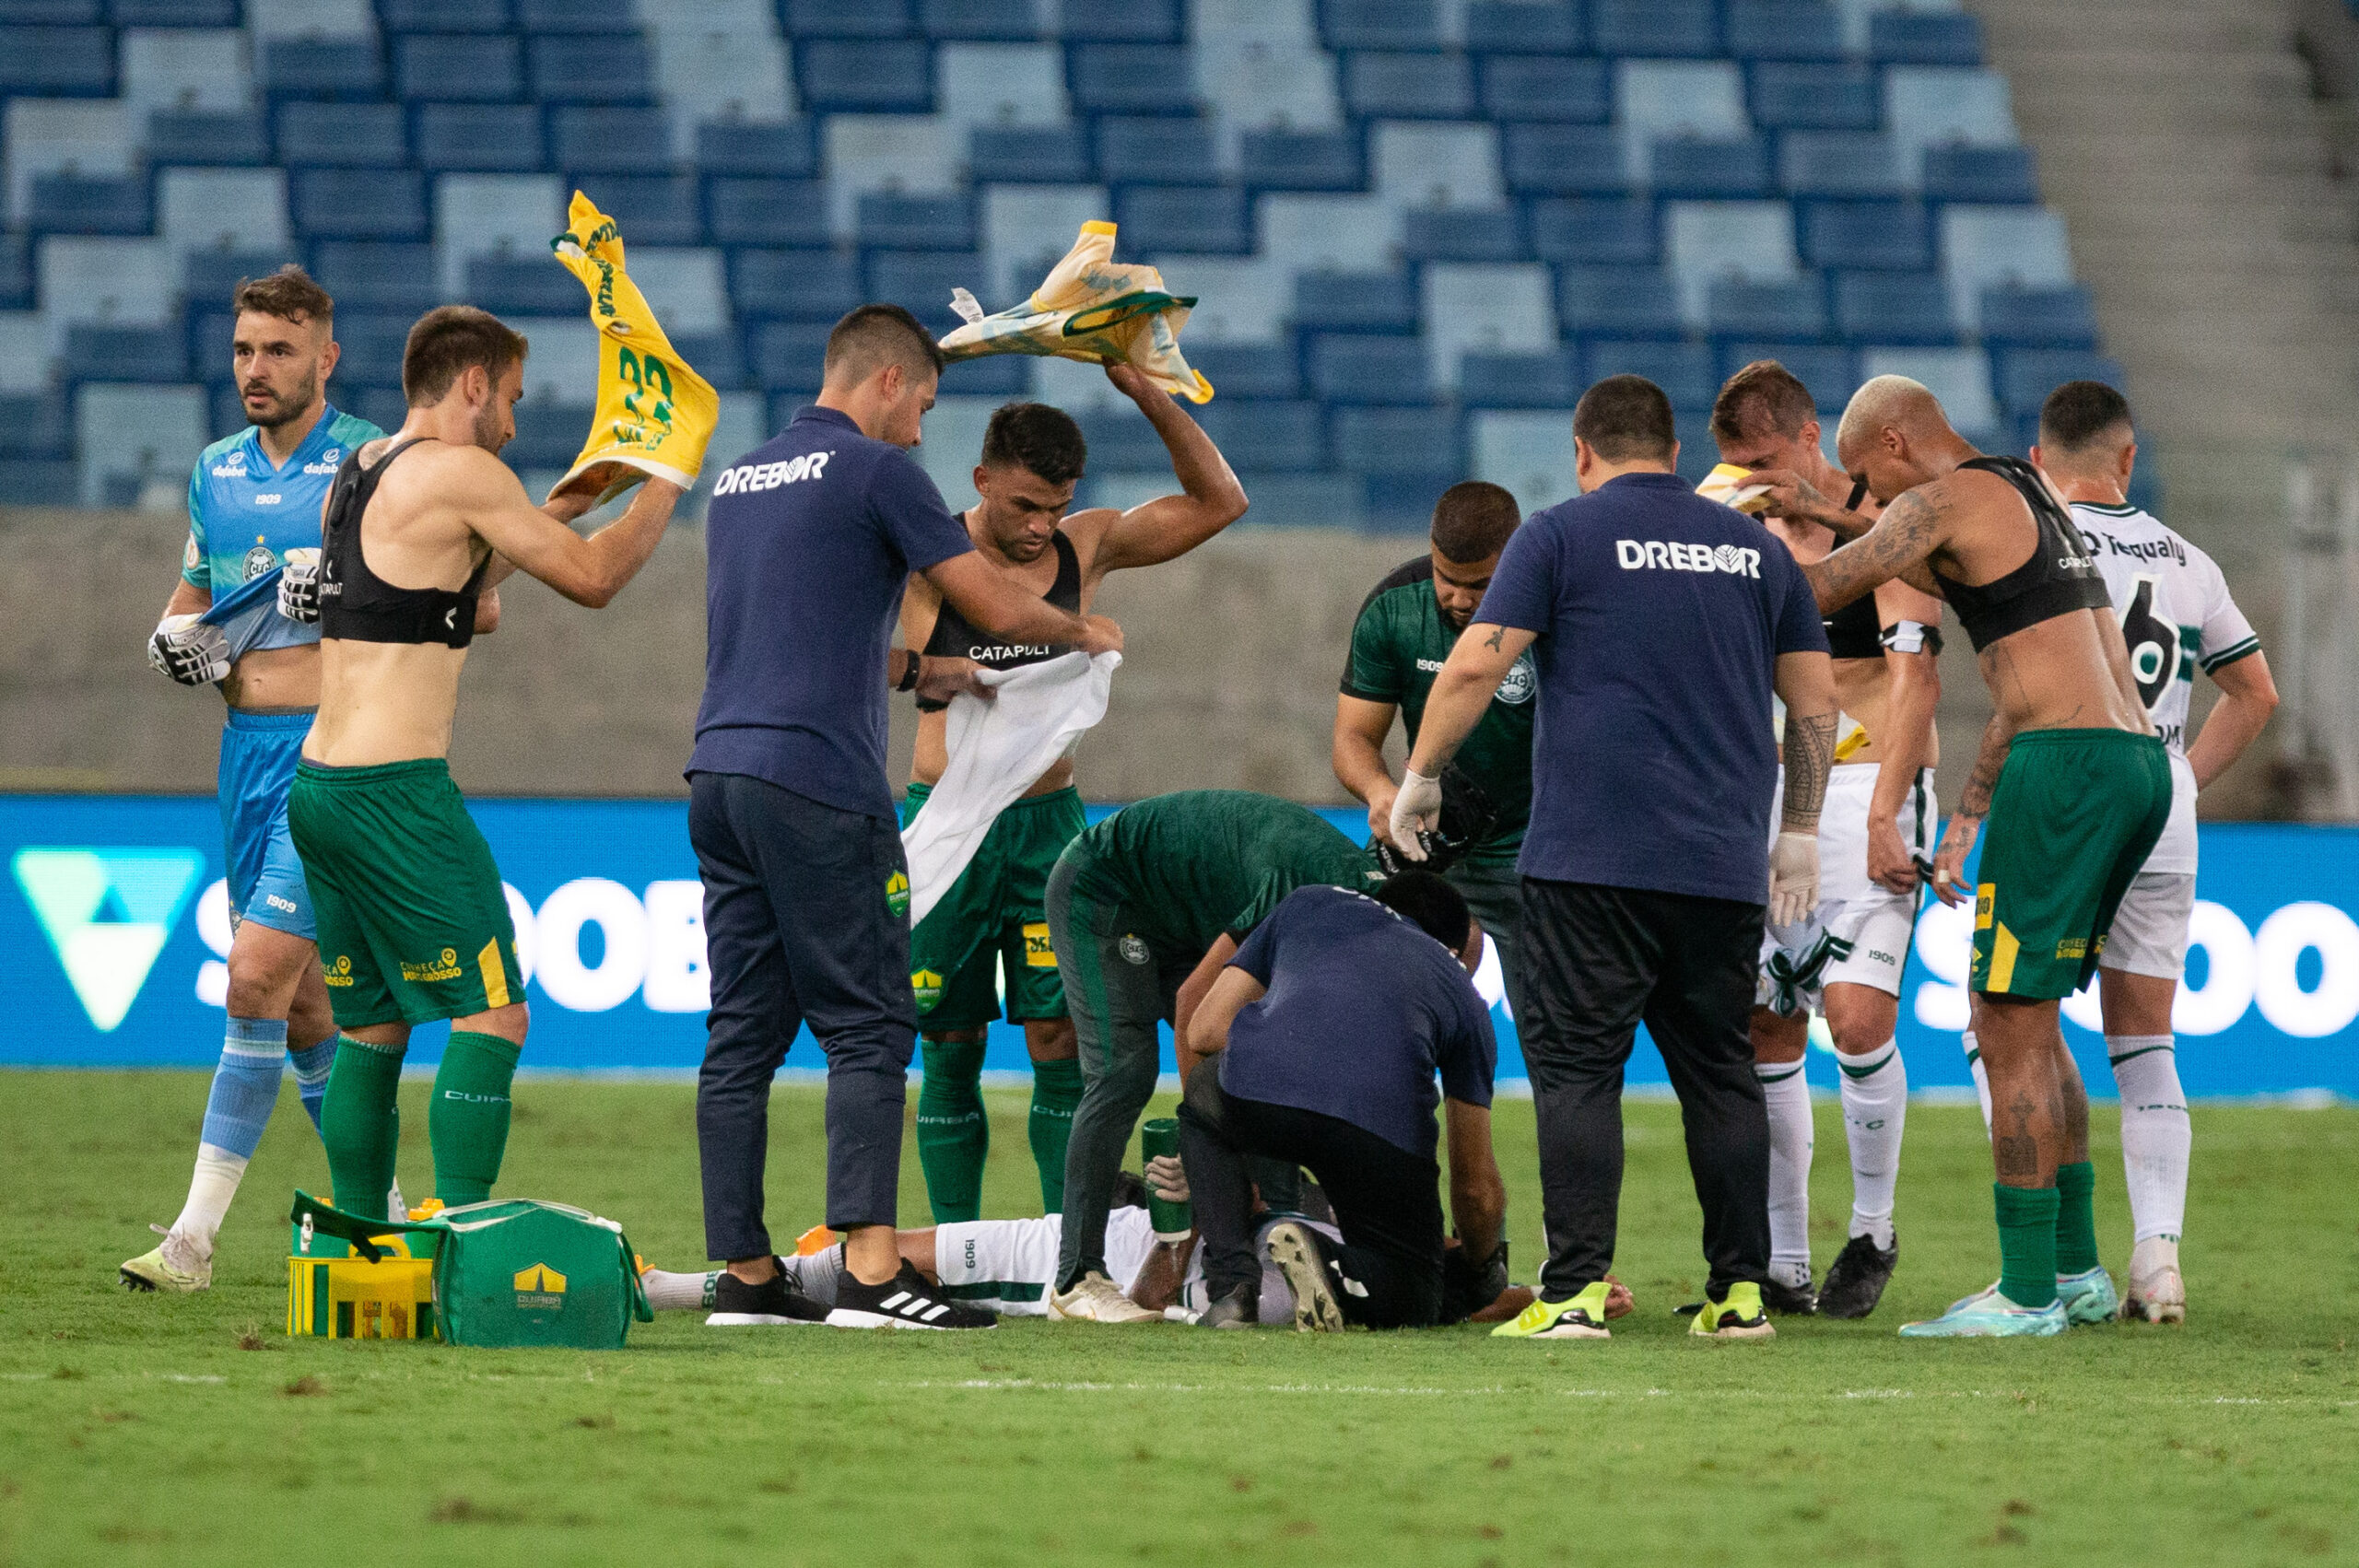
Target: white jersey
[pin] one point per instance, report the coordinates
(2175, 613)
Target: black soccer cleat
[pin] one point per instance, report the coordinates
(904, 1301)
(773, 1304)
(1789, 1301)
(1239, 1308)
(1856, 1280)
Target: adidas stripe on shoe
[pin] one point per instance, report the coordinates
(904, 1301)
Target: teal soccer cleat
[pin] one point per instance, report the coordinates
(1989, 1315)
(2088, 1298)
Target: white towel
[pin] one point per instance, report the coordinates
(997, 750)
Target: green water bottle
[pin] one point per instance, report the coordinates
(1172, 1221)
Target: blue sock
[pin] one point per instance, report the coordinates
(245, 1086)
(312, 1075)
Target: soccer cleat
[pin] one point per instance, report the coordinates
(1579, 1317)
(2158, 1289)
(1097, 1299)
(1987, 1314)
(1240, 1308)
(1300, 1253)
(2088, 1297)
(1740, 1314)
(904, 1301)
(172, 1266)
(773, 1304)
(1789, 1301)
(1855, 1281)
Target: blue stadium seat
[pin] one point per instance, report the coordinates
(1408, 87)
(1120, 441)
(1684, 370)
(1846, 165)
(1299, 160)
(894, 220)
(1129, 79)
(1887, 234)
(1416, 441)
(1655, 29)
(381, 406)
(1381, 24)
(1903, 308)
(1564, 160)
(197, 137)
(39, 481)
(1455, 234)
(794, 285)
(211, 339)
(174, 13)
(125, 353)
(1513, 27)
(376, 274)
(610, 141)
(1355, 301)
(479, 137)
(1265, 436)
(1056, 154)
(548, 434)
(1924, 37)
(343, 136)
(993, 375)
(213, 275)
(521, 285)
(1196, 219)
(16, 272)
(1793, 312)
(1133, 21)
(304, 67)
(1690, 168)
(445, 15)
(1365, 367)
(1831, 373)
(873, 76)
(37, 425)
(848, 18)
(789, 355)
(743, 211)
(2024, 377)
(1250, 369)
(786, 151)
(372, 342)
(1784, 30)
(78, 204)
(1992, 176)
(576, 15)
(650, 209)
(1806, 95)
(1165, 151)
(589, 68)
(2040, 318)
(1617, 301)
(920, 282)
(1595, 229)
(986, 21)
(1550, 379)
(456, 68)
(1548, 87)
(57, 61)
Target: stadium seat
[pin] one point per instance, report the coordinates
(1001, 84)
(1679, 97)
(1549, 378)
(1796, 96)
(456, 68)
(372, 342)
(199, 137)
(1027, 230)
(576, 15)
(1688, 168)
(884, 152)
(1654, 29)
(1704, 241)
(446, 15)
(359, 204)
(1784, 30)
(103, 279)
(1165, 151)
(1134, 21)
(1355, 301)
(894, 221)
(1381, 24)
(1979, 174)
(185, 66)
(1959, 377)
(1206, 219)
(91, 138)
(1530, 454)
(1924, 37)
(1408, 87)
(1893, 307)
(1485, 308)
(1616, 301)
(920, 282)
(174, 13)
(16, 272)
(133, 438)
(1127, 78)
(1892, 235)
(343, 136)
(610, 141)
(1365, 367)
(209, 277)
(2024, 377)
(1120, 440)
(480, 137)
(1332, 233)
(589, 68)
(96, 353)
(76, 203)
(1684, 370)
(565, 353)
(1984, 248)
(1250, 369)
(215, 209)
(548, 434)
(740, 211)
(1429, 165)
(1548, 87)
(652, 209)
(1239, 299)
(849, 19)
(1564, 160)
(1928, 106)
(1845, 165)
(37, 425)
(796, 285)
(520, 286)
(1832, 373)
(1003, 20)
(1299, 160)
(1608, 228)
(494, 215)
(721, 77)
(1265, 436)
(374, 274)
(1447, 234)
(1793, 312)
(1252, 84)
(311, 18)
(1059, 154)
(2040, 318)
(781, 150)
(304, 67)
(39, 481)
(1285, 24)
(1517, 26)
(56, 62)
(1420, 441)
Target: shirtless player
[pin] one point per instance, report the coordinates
(993, 919)
(414, 924)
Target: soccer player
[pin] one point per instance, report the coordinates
(2175, 615)
(2076, 786)
(1844, 959)
(1145, 909)
(1406, 629)
(993, 923)
(252, 498)
(413, 923)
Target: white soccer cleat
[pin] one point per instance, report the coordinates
(1097, 1299)
(2157, 1291)
(173, 1266)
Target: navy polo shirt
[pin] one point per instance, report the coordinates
(809, 540)
(1660, 616)
(1362, 1010)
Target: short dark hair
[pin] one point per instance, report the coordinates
(1627, 419)
(1473, 519)
(1764, 398)
(289, 294)
(448, 341)
(2078, 413)
(1430, 903)
(1042, 440)
(870, 338)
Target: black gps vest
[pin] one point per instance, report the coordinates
(1853, 631)
(358, 605)
(2060, 577)
(956, 638)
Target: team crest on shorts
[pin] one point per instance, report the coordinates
(897, 894)
(1132, 948)
(927, 986)
(1520, 682)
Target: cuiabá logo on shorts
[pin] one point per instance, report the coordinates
(927, 986)
(107, 914)
(897, 894)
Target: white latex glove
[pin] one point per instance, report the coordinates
(1167, 1178)
(298, 587)
(1416, 808)
(1793, 878)
(189, 650)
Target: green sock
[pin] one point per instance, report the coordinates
(467, 1121)
(360, 1122)
(2076, 1218)
(2026, 1243)
(954, 1135)
(1056, 1090)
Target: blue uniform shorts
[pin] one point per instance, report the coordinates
(259, 752)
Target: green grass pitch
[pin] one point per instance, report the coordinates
(189, 1430)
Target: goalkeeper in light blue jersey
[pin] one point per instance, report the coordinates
(252, 498)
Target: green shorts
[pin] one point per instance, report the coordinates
(2075, 814)
(413, 923)
(994, 918)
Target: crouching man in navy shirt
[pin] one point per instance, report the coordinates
(1323, 1038)
(809, 542)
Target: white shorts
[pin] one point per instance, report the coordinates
(1007, 1266)
(1861, 934)
(2149, 935)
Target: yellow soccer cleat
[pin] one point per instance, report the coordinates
(173, 1266)
(1580, 1317)
(1737, 1316)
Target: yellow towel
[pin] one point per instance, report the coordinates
(1093, 309)
(654, 414)
(1726, 484)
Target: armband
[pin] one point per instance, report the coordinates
(908, 681)
(1912, 636)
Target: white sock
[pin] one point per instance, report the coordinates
(667, 1291)
(1981, 1078)
(2155, 1132)
(1875, 1107)
(1788, 1092)
(209, 1192)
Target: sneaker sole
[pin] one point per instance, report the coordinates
(755, 1320)
(1561, 1330)
(1316, 1311)
(1738, 1332)
(854, 1317)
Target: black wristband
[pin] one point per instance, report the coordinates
(909, 676)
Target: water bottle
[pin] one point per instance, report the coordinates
(1172, 1221)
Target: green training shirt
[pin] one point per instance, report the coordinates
(1399, 643)
(1200, 863)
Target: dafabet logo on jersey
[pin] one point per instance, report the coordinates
(107, 914)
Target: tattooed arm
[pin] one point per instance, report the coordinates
(1805, 683)
(1907, 533)
(1949, 863)
(1462, 692)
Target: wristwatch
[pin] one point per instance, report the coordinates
(910, 675)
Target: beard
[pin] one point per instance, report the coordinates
(285, 408)
(487, 432)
